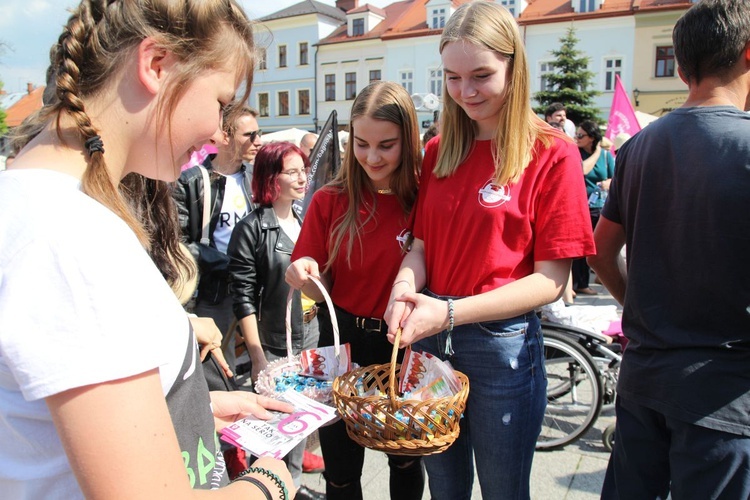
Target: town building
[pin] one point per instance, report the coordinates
(284, 84)
(353, 43)
(17, 106)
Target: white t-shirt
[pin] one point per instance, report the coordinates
(233, 209)
(80, 303)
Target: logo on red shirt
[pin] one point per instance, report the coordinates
(492, 196)
(402, 237)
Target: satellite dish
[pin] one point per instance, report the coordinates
(431, 102)
(418, 100)
(425, 102)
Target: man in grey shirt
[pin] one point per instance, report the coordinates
(680, 201)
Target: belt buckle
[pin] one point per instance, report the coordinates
(309, 315)
(362, 323)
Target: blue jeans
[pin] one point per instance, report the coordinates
(504, 361)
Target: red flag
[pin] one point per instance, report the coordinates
(622, 115)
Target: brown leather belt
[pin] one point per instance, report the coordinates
(310, 314)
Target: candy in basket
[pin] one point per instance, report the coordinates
(425, 420)
(312, 372)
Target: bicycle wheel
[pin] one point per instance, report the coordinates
(574, 391)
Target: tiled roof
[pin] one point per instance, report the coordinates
(26, 105)
(307, 7)
(8, 100)
(559, 10)
(407, 18)
(392, 13)
(367, 8)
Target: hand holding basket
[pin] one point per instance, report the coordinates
(389, 424)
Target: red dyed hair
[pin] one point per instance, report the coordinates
(269, 162)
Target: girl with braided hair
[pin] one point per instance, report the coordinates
(96, 354)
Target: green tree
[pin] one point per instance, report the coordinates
(570, 82)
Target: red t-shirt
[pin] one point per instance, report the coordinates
(362, 289)
(479, 237)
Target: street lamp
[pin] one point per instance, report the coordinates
(636, 93)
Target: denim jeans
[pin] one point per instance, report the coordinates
(504, 361)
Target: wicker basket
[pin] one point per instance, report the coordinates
(410, 427)
(266, 382)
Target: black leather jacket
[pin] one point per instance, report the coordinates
(188, 195)
(259, 253)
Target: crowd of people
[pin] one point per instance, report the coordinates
(454, 239)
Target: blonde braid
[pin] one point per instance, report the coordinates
(74, 47)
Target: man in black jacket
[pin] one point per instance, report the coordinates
(230, 174)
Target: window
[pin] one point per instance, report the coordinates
(263, 104)
(587, 6)
(282, 56)
(262, 64)
(438, 18)
(436, 82)
(283, 103)
(358, 27)
(303, 100)
(407, 81)
(545, 68)
(330, 87)
(664, 62)
(612, 68)
(510, 5)
(350, 89)
(303, 54)
(374, 75)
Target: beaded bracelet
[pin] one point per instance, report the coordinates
(450, 315)
(256, 482)
(273, 477)
(448, 340)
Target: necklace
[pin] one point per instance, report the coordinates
(385, 191)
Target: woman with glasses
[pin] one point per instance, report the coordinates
(259, 251)
(598, 170)
(355, 234)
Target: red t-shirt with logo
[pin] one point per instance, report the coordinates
(362, 289)
(479, 236)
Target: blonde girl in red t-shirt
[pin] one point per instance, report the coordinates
(501, 213)
(353, 238)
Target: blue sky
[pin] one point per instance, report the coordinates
(28, 28)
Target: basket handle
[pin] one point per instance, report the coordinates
(392, 379)
(331, 310)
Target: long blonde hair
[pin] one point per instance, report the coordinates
(489, 25)
(98, 40)
(390, 102)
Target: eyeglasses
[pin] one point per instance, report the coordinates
(256, 133)
(581, 136)
(294, 175)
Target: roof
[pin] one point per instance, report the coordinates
(407, 18)
(307, 7)
(25, 106)
(539, 11)
(8, 100)
(367, 8)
